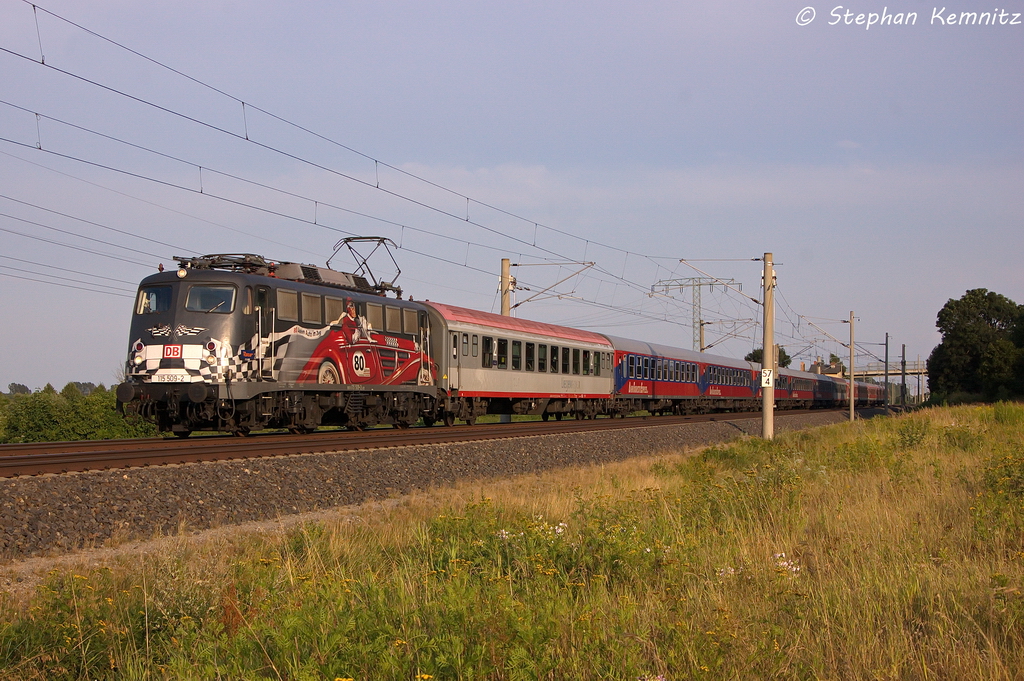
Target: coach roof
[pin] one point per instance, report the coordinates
(464, 315)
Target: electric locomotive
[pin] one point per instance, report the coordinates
(237, 343)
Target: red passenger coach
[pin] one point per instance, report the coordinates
(502, 365)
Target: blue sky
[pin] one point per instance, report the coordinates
(882, 166)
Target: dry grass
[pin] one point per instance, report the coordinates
(886, 549)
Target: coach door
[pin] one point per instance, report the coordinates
(454, 361)
(265, 319)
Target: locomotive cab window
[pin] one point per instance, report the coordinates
(211, 298)
(154, 299)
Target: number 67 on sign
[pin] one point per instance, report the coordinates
(767, 378)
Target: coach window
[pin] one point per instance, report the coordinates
(393, 319)
(154, 299)
(529, 356)
(542, 358)
(566, 360)
(455, 346)
(375, 316)
(476, 345)
(517, 355)
(630, 366)
(287, 305)
(311, 309)
(597, 363)
(465, 344)
(554, 359)
(487, 356)
(586, 362)
(502, 353)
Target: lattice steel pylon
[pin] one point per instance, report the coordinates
(695, 284)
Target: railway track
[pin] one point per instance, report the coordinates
(66, 457)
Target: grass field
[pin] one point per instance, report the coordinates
(890, 548)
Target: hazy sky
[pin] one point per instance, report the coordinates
(880, 162)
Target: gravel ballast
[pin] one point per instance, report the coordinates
(57, 513)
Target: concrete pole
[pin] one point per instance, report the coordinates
(506, 289)
(903, 371)
(506, 311)
(886, 373)
(767, 350)
(918, 400)
(853, 389)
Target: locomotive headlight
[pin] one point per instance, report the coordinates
(211, 360)
(182, 272)
(139, 359)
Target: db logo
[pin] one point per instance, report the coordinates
(172, 352)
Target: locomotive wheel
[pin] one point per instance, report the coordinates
(545, 416)
(448, 419)
(428, 421)
(328, 373)
(558, 416)
(471, 421)
(182, 433)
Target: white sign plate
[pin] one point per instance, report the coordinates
(171, 378)
(767, 378)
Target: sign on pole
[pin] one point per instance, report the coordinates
(767, 378)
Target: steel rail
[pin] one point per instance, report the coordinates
(66, 457)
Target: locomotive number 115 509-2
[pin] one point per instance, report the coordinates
(171, 378)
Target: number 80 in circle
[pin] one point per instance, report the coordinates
(359, 364)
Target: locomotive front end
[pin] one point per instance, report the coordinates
(189, 337)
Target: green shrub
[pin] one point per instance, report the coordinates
(49, 416)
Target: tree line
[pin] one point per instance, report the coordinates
(982, 348)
